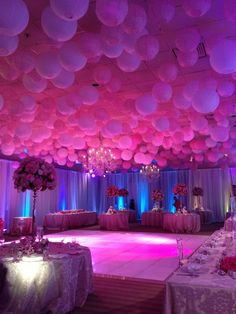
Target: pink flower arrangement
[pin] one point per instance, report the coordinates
(180, 189)
(34, 174)
(157, 195)
(228, 263)
(197, 191)
(112, 191)
(123, 192)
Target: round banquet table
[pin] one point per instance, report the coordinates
(206, 216)
(131, 214)
(21, 226)
(152, 219)
(118, 221)
(56, 285)
(182, 223)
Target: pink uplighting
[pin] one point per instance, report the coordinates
(153, 256)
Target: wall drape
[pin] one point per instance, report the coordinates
(78, 190)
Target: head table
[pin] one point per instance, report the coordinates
(199, 287)
(57, 284)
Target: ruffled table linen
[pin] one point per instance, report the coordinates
(131, 213)
(21, 226)
(118, 221)
(204, 290)
(182, 223)
(152, 219)
(57, 285)
(69, 221)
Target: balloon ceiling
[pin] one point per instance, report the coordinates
(139, 80)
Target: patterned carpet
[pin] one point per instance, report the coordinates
(124, 295)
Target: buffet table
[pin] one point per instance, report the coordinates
(182, 223)
(57, 285)
(199, 287)
(60, 221)
(206, 216)
(118, 221)
(21, 226)
(153, 219)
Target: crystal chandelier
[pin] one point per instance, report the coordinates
(150, 172)
(99, 161)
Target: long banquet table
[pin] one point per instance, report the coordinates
(182, 223)
(118, 221)
(69, 221)
(152, 219)
(205, 289)
(57, 285)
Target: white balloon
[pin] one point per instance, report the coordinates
(8, 45)
(57, 28)
(71, 58)
(70, 10)
(111, 12)
(64, 79)
(14, 17)
(47, 65)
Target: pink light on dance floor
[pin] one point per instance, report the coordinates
(139, 255)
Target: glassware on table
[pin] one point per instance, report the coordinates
(39, 233)
(180, 250)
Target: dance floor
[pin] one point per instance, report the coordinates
(140, 255)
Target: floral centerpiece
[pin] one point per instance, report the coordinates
(111, 211)
(112, 191)
(228, 264)
(197, 191)
(34, 174)
(29, 246)
(123, 192)
(157, 196)
(180, 189)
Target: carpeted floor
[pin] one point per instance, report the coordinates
(123, 295)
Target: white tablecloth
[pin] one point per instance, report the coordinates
(56, 285)
(207, 292)
(189, 223)
(119, 221)
(153, 219)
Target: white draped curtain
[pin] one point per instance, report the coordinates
(78, 190)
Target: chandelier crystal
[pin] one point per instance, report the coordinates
(150, 172)
(99, 161)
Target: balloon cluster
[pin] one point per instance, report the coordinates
(78, 71)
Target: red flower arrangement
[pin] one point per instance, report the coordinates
(157, 195)
(180, 189)
(112, 191)
(197, 191)
(123, 192)
(34, 174)
(228, 263)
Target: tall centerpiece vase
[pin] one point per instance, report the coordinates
(33, 214)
